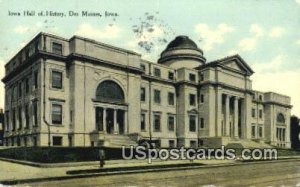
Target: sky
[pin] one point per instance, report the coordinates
(264, 33)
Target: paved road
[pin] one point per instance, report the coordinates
(266, 174)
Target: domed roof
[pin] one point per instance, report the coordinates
(182, 42)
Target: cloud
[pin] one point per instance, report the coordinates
(212, 36)
(276, 32)
(108, 32)
(263, 82)
(272, 72)
(298, 1)
(298, 41)
(257, 30)
(232, 52)
(248, 44)
(274, 65)
(21, 29)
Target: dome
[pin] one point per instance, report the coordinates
(182, 52)
(182, 42)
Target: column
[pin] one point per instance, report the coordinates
(116, 129)
(227, 116)
(218, 114)
(104, 120)
(236, 117)
(125, 122)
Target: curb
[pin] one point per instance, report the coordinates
(22, 181)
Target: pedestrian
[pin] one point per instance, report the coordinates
(101, 156)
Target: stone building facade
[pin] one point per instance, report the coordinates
(80, 92)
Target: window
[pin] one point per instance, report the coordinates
(25, 141)
(14, 120)
(156, 122)
(260, 97)
(253, 112)
(143, 94)
(253, 133)
(36, 80)
(20, 89)
(70, 140)
(20, 117)
(192, 99)
(260, 132)
(56, 79)
(202, 98)
(192, 123)
(34, 140)
(57, 48)
(171, 75)
(110, 91)
(193, 143)
(171, 143)
(56, 114)
(260, 113)
(35, 115)
(171, 122)
(57, 140)
(192, 77)
(143, 67)
(201, 77)
(171, 98)
(27, 85)
(200, 142)
(201, 123)
(157, 96)
(143, 122)
(280, 118)
(157, 72)
(26, 116)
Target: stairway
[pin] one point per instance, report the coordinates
(116, 140)
(242, 143)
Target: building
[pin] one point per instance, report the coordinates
(80, 92)
(1, 126)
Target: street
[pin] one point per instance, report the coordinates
(262, 174)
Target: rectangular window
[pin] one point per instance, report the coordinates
(70, 140)
(36, 80)
(193, 143)
(143, 94)
(253, 132)
(57, 140)
(14, 120)
(253, 112)
(157, 96)
(26, 116)
(171, 123)
(171, 143)
(192, 99)
(143, 67)
(202, 98)
(56, 114)
(156, 122)
(56, 79)
(192, 77)
(27, 85)
(171, 75)
(260, 97)
(201, 123)
(19, 89)
(35, 113)
(20, 117)
(34, 139)
(260, 132)
(57, 48)
(157, 72)
(143, 122)
(201, 77)
(260, 113)
(171, 98)
(192, 123)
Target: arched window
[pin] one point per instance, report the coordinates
(280, 118)
(109, 91)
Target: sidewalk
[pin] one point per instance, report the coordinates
(15, 171)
